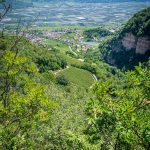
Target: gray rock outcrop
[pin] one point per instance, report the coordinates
(140, 44)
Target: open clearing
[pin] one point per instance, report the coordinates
(78, 76)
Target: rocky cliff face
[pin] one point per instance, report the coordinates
(129, 41)
(143, 45)
(140, 44)
(132, 44)
(128, 50)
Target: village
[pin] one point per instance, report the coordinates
(75, 43)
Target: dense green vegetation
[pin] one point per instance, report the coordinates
(119, 114)
(26, 105)
(96, 33)
(139, 24)
(23, 100)
(40, 112)
(41, 56)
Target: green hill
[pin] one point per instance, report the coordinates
(139, 24)
(132, 44)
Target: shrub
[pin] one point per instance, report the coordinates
(62, 80)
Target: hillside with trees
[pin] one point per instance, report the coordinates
(131, 45)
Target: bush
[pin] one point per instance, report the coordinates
(62, 80)
(3, 44)
(63, 64)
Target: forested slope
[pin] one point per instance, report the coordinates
(132, 44)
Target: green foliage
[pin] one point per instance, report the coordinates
(48, 77)
(50, 62)
(42, 57)
(32, 122)
(119, 114)
(3, 44)
(139, 24)
(33, 84)
(96, 33)
(91, 55)
(62, 80)
(23, 102)
(71, 54)
(90, 68)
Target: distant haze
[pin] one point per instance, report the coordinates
(69, 13)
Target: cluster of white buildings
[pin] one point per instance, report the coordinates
(76, 43)
(35, 39)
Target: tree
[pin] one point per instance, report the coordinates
(62, 80)
(23, 102)
(5, 10)
(119, 115)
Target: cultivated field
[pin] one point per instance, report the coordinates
(75, 14)
(78, 77)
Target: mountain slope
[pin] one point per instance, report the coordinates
(132, 44)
